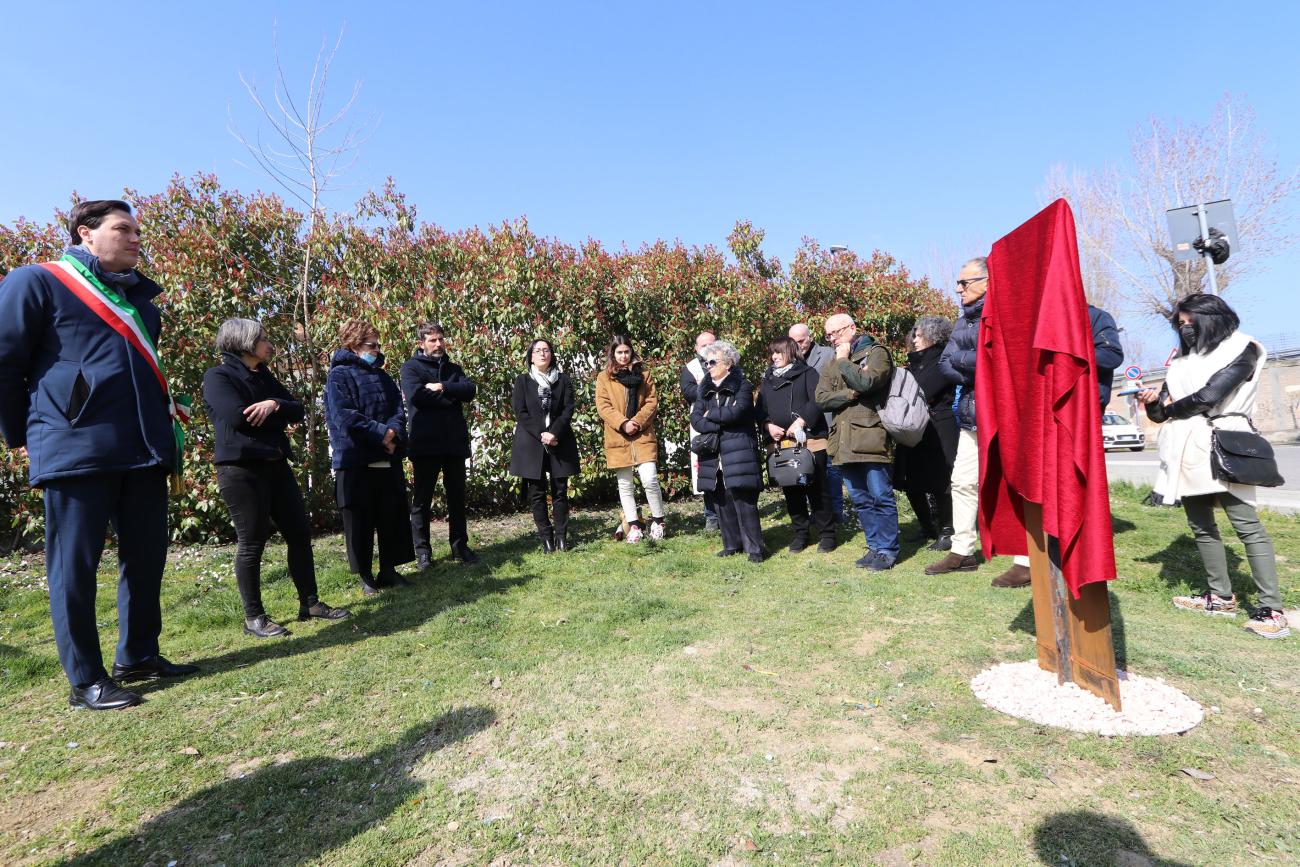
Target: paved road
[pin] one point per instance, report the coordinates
(1141, 469)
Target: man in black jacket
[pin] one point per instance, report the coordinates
(436, 390)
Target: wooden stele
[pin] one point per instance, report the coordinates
(1074, 637)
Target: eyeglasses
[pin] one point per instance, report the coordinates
(542, 349)
(831, 334)
(962, 284)
(711, 361)
(370, 344)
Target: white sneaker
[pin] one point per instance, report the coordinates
(657, 530)
(634, 535)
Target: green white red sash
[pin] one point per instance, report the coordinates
(120, 315)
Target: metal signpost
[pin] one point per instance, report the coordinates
(1199, 230)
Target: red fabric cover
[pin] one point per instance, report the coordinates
(1036, 406)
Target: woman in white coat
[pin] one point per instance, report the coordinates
(1213, 383)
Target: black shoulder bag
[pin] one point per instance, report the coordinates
(1242, 457)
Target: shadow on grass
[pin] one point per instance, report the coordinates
(1024, 622)
(1181, 565)
(445, 585)
(1120, 525)
(293, 812)
(1085, 838)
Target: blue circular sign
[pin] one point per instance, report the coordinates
(1133, 372)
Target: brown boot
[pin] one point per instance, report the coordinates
(1016, 576)
(954, 562)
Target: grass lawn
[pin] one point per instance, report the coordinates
(648, 704)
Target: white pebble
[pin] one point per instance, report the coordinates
(1025, 691)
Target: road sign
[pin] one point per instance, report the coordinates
(1133, 372)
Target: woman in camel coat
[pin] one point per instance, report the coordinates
(627, 403)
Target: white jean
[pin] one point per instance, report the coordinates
(649, 472)
(966, 493)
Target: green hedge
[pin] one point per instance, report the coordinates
(220, 253)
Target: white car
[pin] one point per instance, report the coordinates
(1118, 432)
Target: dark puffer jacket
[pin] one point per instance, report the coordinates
(362, 403)
(1107, 348)
(782, 398)
(437, 418)
(957, 364)
(728, 409)
(229, 389)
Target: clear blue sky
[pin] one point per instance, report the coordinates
(922, 129)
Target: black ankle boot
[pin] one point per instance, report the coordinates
(548, 540)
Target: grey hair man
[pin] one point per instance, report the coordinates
(692, 375)
(815, 355)
(850, 387)
(957, 366)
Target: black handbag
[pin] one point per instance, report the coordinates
(706, 444)
(786, 466)
(1242, 457)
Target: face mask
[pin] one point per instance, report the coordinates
(370, 357)
(1188, 333)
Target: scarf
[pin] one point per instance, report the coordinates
(631, 380)
(545, 383)
(782, 371)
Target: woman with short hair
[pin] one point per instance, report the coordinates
(544, 445)
(1211, 384)
(924, 471)
(788, 416)
(627, 402)
(367, 429)
(724, 405)
(250, 410)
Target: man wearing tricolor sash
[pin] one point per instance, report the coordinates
(84, 392)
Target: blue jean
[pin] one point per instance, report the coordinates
(835, 481)
(872, 492)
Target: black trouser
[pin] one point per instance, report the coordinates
(425, 471)
(559, 489)
(738, 518)
(933, 511)
(815, 497)
(78, 512)
(260, 494)
(373, 499)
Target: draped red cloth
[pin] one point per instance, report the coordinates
(1037, 410)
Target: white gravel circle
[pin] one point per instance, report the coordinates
(1025, 691)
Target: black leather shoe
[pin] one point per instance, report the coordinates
(424, 563)
(264, 627)
(561, 542)
(369, 587)
(322, 611)
(758, 557)
(825, 546)
(463, 554)
(798, 544)
(943, 543)
(728, 552)
(548, 541)
(157, 666)
(103, 694)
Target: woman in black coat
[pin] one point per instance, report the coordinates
(250, 409)
(924, 471)
(724, 405)
(788, 415)
(544, 444)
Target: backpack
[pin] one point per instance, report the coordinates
(904, 412)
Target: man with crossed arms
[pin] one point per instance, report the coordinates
(87, 405)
